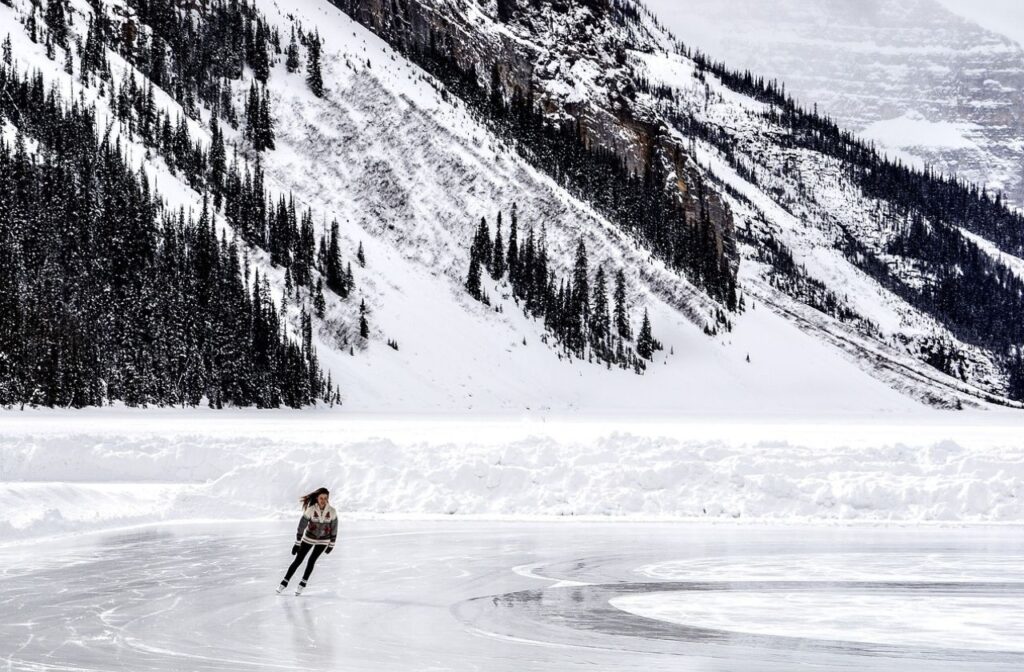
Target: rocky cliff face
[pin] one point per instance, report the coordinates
(571, 58)
(919, 80)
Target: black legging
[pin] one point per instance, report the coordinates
(300, 556)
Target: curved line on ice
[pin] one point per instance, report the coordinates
(529, 571)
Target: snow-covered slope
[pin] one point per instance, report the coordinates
(411, 173)
(805, 201)
(590, 76)
(408, 172)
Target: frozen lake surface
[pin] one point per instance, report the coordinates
(518, 596)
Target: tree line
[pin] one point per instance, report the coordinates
(173, 53)
(108, 297)
(587, 315)
(187, 54)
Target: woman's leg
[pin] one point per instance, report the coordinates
(317, 550)
(299, 557)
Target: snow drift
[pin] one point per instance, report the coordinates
(77, 476)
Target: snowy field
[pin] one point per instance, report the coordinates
(517, 596)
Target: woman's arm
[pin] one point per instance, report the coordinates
(303, 522)
(334, 531)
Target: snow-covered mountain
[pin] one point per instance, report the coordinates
(801, 299)
(928, 85)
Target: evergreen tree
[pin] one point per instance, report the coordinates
(260, 58)
(1016, 379)
(319, 303)
(498, 265)
(313, 75)
(56, 21)
(227, 107)
(292, 61)
(266, 122)
(600, 321)
(360, 255)
(337, 281)
(482, 244)
(156, 68)
(473, 279)
(512, 258)
(259, 125)
(539, 278)
(622, 328)
(94, 56)
(252, 118)
(30, 24)
(218, 161)
(645, 344)
(506, 10)
(105, 296)
(304, 251)
(364, 326)
(524, 286)
(580, 298)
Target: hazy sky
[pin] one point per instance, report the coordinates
(1000, 16)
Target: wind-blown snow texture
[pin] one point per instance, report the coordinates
(105, 469)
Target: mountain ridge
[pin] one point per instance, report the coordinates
(408, 168)
(528, 16)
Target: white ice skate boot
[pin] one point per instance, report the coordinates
(280, 588)
(299, 588)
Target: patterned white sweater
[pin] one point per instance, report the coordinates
(318, 526)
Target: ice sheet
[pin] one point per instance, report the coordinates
(987, 619)
(455, 596)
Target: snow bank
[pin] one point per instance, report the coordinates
(82, 477)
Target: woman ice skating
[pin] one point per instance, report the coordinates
(318, 530)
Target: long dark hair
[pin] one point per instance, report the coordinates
(310, 499)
